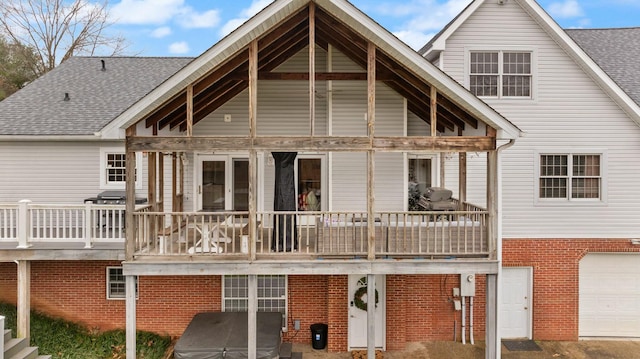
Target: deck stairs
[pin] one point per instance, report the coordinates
(18, 348)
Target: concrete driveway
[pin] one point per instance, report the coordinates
(591, 349)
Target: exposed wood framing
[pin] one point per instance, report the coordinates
(434, 111)
(130, 186)
(371, 120)
(151, 189)
(462, 177)
(190, 110)
(24, 300)
(312, 68)
(317, 143)
(253, 87)
(252, 316)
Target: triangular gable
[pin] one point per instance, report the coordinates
(281, 10)
(438, 44)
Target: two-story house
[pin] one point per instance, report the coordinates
(570, 204)
(271, 173)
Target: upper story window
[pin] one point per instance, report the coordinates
(500, 74)
(113, 172)
(571, 176)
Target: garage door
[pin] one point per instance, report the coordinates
(610, 295)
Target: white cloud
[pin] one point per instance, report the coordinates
(159, 12)
(414, 39)
(206, 19)
(567, 9)
(245, 14)
(145, 12)
(161, 32)
(179, 47)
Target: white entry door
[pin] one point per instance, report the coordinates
(515, 308)
(358, 317)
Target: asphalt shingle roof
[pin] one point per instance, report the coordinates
(617, 52)
(96, 97)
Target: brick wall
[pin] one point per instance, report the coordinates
(555, 265)
(419, 308)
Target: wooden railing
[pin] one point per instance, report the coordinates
(27, 224)
(430, 234)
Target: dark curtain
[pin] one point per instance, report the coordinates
(285, 236)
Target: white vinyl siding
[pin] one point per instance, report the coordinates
(569, 110)
(54, 172)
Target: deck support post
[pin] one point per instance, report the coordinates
(492, 350)
(371, 316)
(24, 300)
(252, 317)
(130, 290)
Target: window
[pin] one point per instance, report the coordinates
(116, 284)
(309, 178)
(113, 172)
(272, 294)
(420, 178)
(500, 74)
(570, 176)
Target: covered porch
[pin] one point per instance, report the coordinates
(314, 78)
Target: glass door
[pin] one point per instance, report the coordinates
(223, 183)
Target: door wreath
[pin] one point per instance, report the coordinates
(357, 297)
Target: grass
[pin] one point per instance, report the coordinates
(66, 340)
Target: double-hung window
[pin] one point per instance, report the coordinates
(570, 176)
(113, 171)
(116, 285)
(501, 74)
(272, 294)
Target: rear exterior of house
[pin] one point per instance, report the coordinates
(365, 117)
(571, 209)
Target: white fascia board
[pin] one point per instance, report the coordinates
(586, 63)
(396, 48)
(229, 45)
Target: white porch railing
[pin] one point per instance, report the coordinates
(430, 234)
(27, 224)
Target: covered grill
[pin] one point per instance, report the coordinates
(112, 197)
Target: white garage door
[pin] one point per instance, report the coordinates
(610, 295)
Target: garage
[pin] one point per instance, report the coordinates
(610, 295)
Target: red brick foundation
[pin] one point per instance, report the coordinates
(418, 308)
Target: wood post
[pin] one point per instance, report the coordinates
(312, 67)
(433, 114)
(24, 300)
(252, 316)
(130, 204)
(130, 314)
(371, 315)
(493, 344)
(371, 120)
(253, 155)
(190, 110)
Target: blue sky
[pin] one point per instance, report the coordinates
(189, 27)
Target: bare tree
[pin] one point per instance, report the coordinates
(59, 29)
(17, 67)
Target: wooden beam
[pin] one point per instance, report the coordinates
(130, 190)
(316, 143)
(189, 110)
(312, 68)
(24, 300)
(433, 118)
(253, 87)
(211, 266)
(371, 126)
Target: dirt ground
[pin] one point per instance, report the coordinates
(590, 349)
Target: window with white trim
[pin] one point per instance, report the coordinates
(501, 74)
(272, 294)
(116, 283)
(113, 171)
(570, 176)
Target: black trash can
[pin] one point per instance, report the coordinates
(319, 335)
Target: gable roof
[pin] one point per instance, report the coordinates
(626, 100)
(206, 73)
(616, 51)
(96, 97)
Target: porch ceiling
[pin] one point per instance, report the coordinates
(230, 78)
